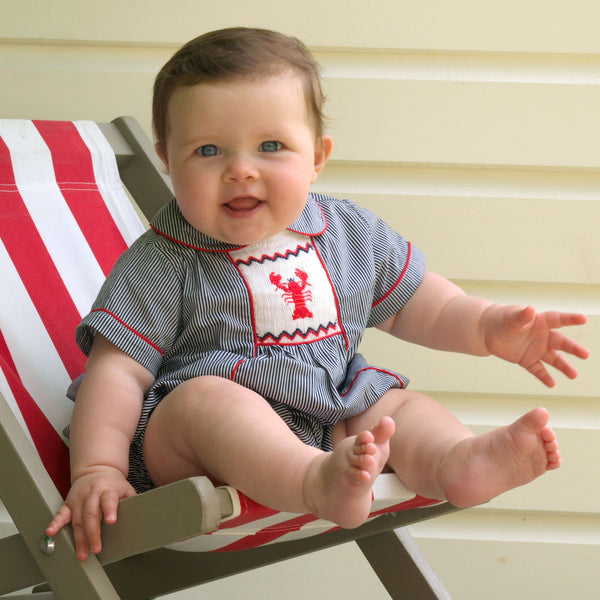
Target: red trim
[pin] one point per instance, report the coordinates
(279, 341)
(129, 327)
(273, 257)
(398, 280)
(250, 511)
(374, 369)
(37, 270)
(173, 239)
(269, 534)
(50, 446)
(312, 234)
(250, 299)
(416, 502)
(337, 302)
(234, 371)
(74, 171)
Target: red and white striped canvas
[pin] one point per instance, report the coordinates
(64, 220)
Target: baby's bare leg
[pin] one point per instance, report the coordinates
(212, 426)
(438, 457)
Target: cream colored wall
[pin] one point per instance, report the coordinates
(474, 128)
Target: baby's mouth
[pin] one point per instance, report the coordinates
(243, 205)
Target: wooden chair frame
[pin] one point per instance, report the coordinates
(134, 563)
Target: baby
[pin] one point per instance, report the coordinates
(224, 342)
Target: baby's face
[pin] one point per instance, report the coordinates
(242, 156)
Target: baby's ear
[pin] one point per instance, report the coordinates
(162, 155)
(323, 148)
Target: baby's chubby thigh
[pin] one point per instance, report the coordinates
(194, 424)
(387, 406)
(420, 422)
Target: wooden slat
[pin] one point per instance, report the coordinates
(528, 26)
(478, 123)
(516, 239)
(75, 94)
(409, 180)
(520, 527)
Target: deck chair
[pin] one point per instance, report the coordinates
(64, 219)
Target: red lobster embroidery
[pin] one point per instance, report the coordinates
(295, 292)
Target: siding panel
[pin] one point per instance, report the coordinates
(493, 26)
(471, 123)
(504, 231)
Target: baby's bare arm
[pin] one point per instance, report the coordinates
(441, 316)
(105, 417)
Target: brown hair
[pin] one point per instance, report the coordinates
(236, 53)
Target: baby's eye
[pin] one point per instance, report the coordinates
(271, 146)
(208, 150)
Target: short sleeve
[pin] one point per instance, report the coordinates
(139, 306)
(398, 268)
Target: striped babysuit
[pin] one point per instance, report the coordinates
(283, 317)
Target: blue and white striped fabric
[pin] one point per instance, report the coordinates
(283, 317)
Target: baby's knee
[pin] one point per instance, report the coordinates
(395, 399)
(194, 401)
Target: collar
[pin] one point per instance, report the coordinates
(170, 223)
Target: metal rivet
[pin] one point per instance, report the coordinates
(47, 545)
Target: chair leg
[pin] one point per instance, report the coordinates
(401, 566)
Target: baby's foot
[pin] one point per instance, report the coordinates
(480, 468)
(337, 485)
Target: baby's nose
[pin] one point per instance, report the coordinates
(241, 167)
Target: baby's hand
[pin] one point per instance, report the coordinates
(523, 336)
(92, 495)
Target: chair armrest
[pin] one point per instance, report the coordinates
(147, 521)
(163, 516)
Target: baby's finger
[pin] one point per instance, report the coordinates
(560, 363)
(561, 342)
(91, 516)
(556, 319)
(109, 502)
(538, 370)
(81, 543)
(574, 319)
(62, 517)
(522, 317)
